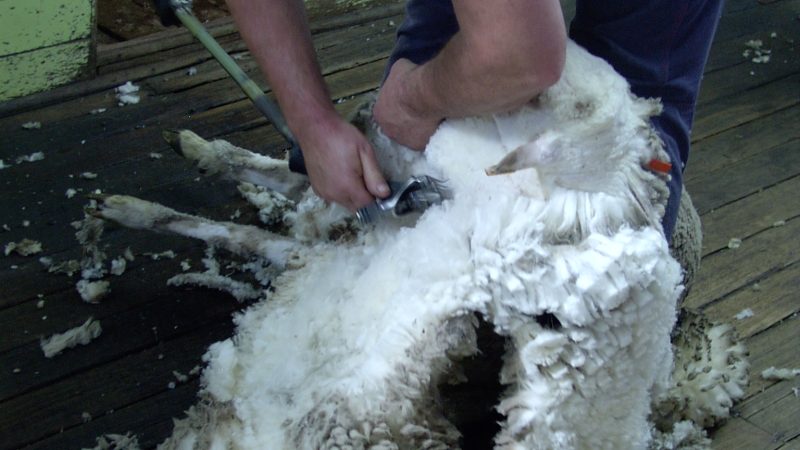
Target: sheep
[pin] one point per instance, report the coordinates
(555, 213)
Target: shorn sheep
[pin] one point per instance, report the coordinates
(555, 213)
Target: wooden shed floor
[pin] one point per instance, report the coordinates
(744, 175)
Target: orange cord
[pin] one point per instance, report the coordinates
(659, 166)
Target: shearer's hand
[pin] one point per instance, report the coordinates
(395, 115)
(341, 164)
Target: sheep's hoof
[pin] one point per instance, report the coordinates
(96, 210)
(94, 213)
(129, 211)
(100, 197)
(173, 138)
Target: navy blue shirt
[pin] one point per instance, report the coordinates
(659, 46)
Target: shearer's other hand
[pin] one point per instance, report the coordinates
(341, 164)
(395, 115)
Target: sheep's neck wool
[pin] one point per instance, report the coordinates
(349, 349)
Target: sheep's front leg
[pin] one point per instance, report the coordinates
(244, 240)
(237, 163)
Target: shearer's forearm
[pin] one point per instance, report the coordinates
(278, 36)
(502, 57)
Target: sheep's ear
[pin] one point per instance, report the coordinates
(523, 157)
(184, 142)
(548, 151)
(510, 163)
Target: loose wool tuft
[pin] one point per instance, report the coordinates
(82, 334)
(348, 350)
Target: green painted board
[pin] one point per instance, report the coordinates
(32, 24)
(38, 70)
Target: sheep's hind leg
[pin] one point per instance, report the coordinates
(407, 413)
(244, 240)
(236, 163)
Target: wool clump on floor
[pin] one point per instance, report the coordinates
(348, 350)
(33, 157)
(25, 247)
(127, 94)
(213, 279)
(116, 442)
(82, 335)
(773, 373)
(92, 291)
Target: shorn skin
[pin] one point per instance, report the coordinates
(348, 351)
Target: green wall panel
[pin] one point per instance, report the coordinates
(38, 70)
(31, 24)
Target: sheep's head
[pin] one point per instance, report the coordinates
(586, 133)
(597, 172)
(560, 160)
(581, 163)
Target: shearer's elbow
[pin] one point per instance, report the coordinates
(527, 67)
(552, 65)
(543, 64)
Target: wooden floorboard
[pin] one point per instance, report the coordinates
(744, 175)
(780, 287)
(774, 410)
(793, 444)
(739, 434)
(745, 178)
(746, 140)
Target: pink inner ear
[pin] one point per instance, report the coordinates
(509, 163)
(525, 156)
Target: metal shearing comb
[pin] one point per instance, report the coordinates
(414, 195)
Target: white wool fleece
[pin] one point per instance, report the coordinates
(345, 351)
